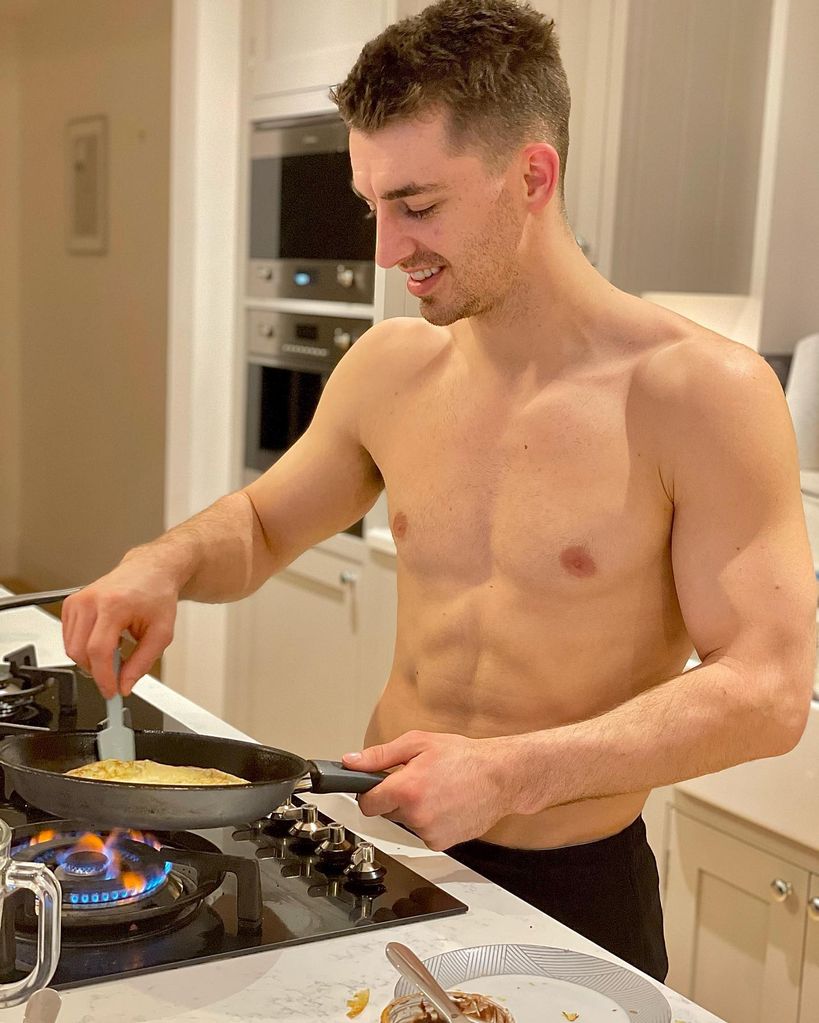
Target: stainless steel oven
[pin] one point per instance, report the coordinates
(290, 357)
(309, 234)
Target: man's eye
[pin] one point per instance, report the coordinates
(420, 214)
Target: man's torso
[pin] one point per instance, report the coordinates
(533, 530)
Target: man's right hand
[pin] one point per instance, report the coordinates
(136, 597)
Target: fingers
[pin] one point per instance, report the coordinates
(93, 623)
(157, 637)
(77, 622)
(381, 801)
(389, 754)
(102, 643)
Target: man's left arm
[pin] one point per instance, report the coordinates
(745, 583)
(744, 579)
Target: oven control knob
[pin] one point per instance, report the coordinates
(342, 338)
(264, 273)
(345, 276)
(267, 330)
(305, 829)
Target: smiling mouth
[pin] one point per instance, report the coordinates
(422, 275)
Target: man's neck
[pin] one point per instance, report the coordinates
(561, 313)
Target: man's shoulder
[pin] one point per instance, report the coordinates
(688, 366)
(393, 353)
(402, 342)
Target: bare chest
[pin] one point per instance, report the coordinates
(558, 493)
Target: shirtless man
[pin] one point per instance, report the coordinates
(582, 487)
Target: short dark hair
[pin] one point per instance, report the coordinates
(492, 65)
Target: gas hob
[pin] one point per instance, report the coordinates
(137, 902)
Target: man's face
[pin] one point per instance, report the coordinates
(441, 212)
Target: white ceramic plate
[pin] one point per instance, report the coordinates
(539, 984)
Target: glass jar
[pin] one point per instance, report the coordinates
(40, 880)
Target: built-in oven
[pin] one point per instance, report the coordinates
(310, 235)
(290, 357)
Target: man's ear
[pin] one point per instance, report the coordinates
(541, 174)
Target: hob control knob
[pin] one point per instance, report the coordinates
(281, 820)
(265, 273)
(305, 829)
(365, 868)
(335, 850)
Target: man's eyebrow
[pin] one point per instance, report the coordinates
(404, 192)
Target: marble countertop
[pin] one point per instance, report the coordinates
(305, 983)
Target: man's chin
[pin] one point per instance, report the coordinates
(438, 315)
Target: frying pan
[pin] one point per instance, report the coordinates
(35, 764)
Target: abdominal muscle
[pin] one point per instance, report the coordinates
(456, 672)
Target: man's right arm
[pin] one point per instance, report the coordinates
(325, 482)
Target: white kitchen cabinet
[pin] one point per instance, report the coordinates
(311, 45)
(296, 644)
(809, 1003)
(735, 926)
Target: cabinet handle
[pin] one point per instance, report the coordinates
(781, 889)
(813, 908)
(348, 577)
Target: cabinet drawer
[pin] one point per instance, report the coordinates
(324, 569)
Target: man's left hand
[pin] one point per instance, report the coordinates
(447, 789)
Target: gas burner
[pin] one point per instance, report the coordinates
(21, 680)
(97, 870)
(119, 879)
(16, 693)
(23, 712)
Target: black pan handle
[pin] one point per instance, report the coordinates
(333, 776)
(30, 599)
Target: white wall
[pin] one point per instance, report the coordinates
(205, 359)
(92, 327)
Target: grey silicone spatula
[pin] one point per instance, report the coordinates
(116, 740)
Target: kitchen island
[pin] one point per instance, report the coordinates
(310, 982)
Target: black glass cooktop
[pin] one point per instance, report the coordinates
(269, 892)
(300, 902)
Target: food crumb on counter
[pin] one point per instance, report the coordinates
(358, 1003)
(571, 1016)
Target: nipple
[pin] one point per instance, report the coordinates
(399, 525)
(577, 561)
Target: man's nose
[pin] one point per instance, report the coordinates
(391, 245)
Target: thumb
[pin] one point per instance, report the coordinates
(389, 754)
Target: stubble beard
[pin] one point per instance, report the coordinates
(494, 288)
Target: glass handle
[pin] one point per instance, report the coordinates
(38, 879)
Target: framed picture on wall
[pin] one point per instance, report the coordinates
(87, 168)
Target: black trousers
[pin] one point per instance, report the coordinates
(607, 891)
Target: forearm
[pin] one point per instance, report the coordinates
(218, 555)
(708, 719)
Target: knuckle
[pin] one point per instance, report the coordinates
(97, 649)
(164, 634)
